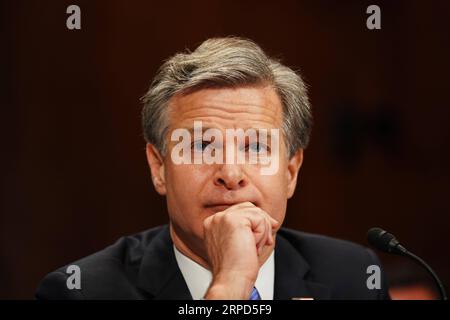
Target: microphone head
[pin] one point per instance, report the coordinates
(382, 240)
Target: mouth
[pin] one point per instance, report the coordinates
(218, 207)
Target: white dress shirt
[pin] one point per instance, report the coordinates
(198, 278)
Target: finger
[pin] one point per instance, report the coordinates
(269, 233)
(271, 241)
(271, 219)
(260, 225)
(258, 228)
(274, 222)
(265, 237)
(266, 234)
(262, 230)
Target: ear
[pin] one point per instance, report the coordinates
(294, 164)
(156, 164)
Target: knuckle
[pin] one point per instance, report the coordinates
(228, 217)
(207, 222)
(218, 216)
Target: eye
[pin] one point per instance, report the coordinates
(257, 147)
(199, 146)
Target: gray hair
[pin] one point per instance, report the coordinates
(226, 62)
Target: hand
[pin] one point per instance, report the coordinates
(235, 240)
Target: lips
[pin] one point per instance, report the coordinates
(222, 206)
(218, 207)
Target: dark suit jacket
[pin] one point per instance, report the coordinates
(143, 266)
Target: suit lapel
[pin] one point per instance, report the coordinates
(291, 275)
(159, 274)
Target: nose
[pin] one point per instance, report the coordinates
(231, 176)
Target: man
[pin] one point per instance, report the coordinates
(224, 240)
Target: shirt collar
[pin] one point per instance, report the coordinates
(198, 278)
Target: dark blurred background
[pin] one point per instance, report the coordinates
(74, 174)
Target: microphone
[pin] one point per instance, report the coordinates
(386, 242)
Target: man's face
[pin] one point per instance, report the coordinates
(196, 191)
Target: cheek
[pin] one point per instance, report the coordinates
(273, 186)
(184, 183)
(274, 192)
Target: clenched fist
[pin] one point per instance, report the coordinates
(238, 240)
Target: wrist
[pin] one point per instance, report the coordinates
(230, 286)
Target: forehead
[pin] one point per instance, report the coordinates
(241, 107)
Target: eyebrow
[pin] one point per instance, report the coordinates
(268, 138)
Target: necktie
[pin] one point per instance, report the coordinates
(255, 295)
